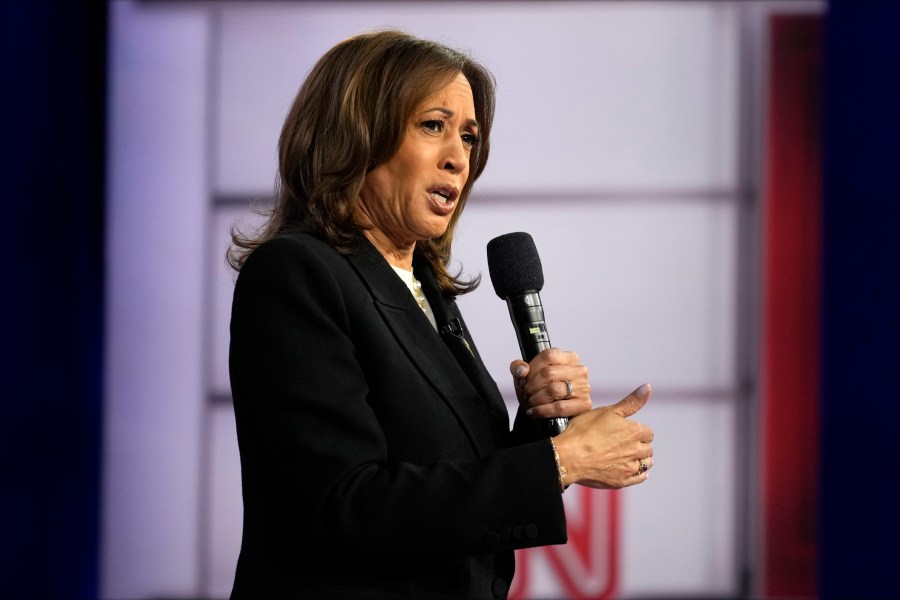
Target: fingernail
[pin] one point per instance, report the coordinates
(642, 391)
(529, 412)
(520, 371)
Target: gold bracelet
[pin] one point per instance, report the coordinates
(559, 468)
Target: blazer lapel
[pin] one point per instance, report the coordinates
(458, 339)
(414, 333)
(456, 336)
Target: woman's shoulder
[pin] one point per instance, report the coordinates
(292, 252)
(293, 244)
(295, 240)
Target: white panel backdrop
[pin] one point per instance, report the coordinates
(158, 203)
(616, 146)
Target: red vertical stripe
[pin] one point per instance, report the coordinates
(790, 400)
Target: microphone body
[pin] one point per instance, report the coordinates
(527, 315)
(517, 276)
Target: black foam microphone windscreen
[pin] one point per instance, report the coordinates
(514, 264)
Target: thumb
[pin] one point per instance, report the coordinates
(633, 402)
(518, 368)
(519, 371)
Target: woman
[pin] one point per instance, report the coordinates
(376, 455)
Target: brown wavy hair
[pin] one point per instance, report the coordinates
(349, 116)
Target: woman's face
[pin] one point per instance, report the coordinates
(413, 195)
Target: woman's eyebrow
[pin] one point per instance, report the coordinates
(449, 113)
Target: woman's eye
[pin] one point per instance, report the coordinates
(470, 139)
(435, 125)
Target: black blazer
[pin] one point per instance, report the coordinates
(376, 456)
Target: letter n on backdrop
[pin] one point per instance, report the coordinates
(585, 567)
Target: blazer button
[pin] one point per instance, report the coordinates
(499, 588)
(492, 538)
(505, 533)
(531, 531)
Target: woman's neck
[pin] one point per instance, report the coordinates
(398, 256)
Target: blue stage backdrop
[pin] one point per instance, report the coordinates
(51, 295)
(858, 536)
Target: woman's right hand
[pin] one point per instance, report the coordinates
(603, 449)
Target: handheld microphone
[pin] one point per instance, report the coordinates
(517, 277)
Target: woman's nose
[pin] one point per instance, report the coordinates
(456, 159)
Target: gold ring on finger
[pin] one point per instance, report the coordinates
(642, 468)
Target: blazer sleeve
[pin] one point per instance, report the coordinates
(314, 456)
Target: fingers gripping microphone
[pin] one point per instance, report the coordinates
(517, 276)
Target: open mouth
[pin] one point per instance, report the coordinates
(443, 194)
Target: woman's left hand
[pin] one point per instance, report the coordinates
(554, 384)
